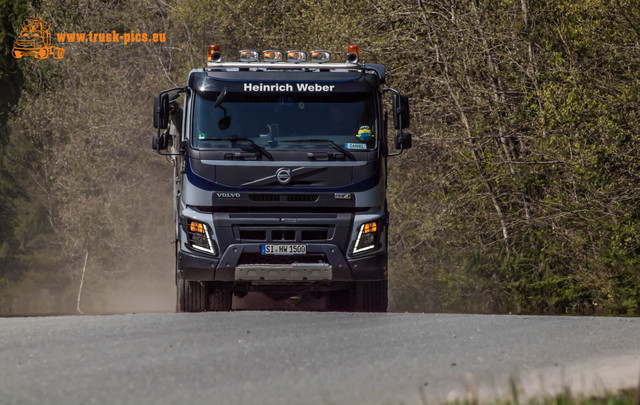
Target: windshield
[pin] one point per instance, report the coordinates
(285, 121)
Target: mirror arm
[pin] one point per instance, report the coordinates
(396, 153)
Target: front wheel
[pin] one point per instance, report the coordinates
(369, 296)
(192, 296)
(220, 298)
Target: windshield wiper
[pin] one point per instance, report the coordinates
(220, 99)
(247, 140)
(329, 141)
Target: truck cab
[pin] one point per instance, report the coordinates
(280, 178)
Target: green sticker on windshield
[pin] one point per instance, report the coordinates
(202, 136)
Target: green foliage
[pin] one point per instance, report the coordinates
(85, 179)
(11, 16)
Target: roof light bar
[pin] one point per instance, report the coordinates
(214, 53)
(248, 55)
(320, 56)
(296, 56)
(292, 56)
(272, 56)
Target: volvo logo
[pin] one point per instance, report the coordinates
(283, 175)
(228, 195)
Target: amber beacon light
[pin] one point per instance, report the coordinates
(214, 53)
(353, 54)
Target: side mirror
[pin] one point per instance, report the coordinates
(400, 111)
(160, 142)
(165, 108)
(224, 123)
(161, 111)
(403, 140)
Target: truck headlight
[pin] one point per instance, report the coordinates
(367, 237)
(199, 238)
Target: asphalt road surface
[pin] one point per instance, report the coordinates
(309, 357)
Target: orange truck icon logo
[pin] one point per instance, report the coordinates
(35, 39)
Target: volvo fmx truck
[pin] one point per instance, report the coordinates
(280, 178)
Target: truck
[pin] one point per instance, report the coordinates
(280, 177)
(35, 40)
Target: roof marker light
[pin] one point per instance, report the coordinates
(272, 56)
(296, 56)
(248, 55)
(214, 53)
(353, 54)
(320, 56)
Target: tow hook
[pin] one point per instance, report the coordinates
(293, 301)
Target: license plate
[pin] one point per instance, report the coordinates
(288, 249)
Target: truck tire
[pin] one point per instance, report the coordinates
(192, 296)
(369, 296)
(220, 299)
(339, 301)
(179, 295)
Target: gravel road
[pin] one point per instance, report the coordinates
(309, 357)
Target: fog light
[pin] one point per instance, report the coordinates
(272, 56)
(320, 56)
(248, 55)
(296, 56)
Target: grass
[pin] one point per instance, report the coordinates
(623, 397)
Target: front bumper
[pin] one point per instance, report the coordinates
(229, 268)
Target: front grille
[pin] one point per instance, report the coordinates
(286, 235)
(253, 234)
(264, 233)
(284, 197)
(316, 234)
(264, 197)
(302, 197)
